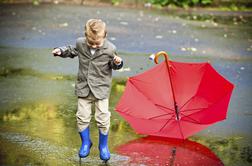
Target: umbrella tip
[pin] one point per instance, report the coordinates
(152, 57)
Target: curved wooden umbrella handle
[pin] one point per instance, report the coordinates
(159, 54)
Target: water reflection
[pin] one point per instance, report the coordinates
(163, 151)
(37, 113)
(45, 131)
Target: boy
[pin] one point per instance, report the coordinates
(97, 57)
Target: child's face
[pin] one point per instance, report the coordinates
(95, 44)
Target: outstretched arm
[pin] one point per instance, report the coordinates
(65, 51)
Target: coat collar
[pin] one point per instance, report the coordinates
(98, 52)
(104, 46)
(86, 49)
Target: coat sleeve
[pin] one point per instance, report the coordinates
(116, 66)
(68, 51)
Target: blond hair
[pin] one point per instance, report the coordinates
(95, 30)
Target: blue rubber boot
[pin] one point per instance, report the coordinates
(103, 147)
(86, 143)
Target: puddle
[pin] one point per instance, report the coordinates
(49, 152)
(37, 102)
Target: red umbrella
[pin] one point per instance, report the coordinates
(172, 152)
(175, 99)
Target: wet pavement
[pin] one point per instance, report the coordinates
(37, 103)
(139, 31)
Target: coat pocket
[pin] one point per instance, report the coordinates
(80, 85)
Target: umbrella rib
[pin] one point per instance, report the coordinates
(193, 109)
(160, 116)
(186, 102)
(140, 90)
(195, 121)
(165, 107)
(144, 118)
(148, 98)
(166, 123)
(200, 109)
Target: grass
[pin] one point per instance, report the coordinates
(8, 72)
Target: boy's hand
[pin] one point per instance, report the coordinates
(117, 60)
(56, 52)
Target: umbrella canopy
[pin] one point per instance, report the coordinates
(156, 151)
(175, 99)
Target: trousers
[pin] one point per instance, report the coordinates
(84, 113)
